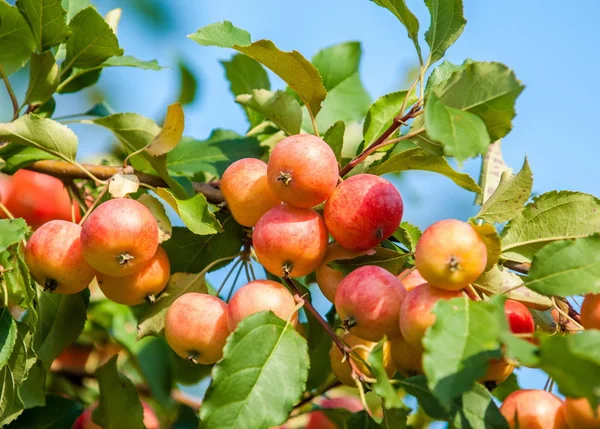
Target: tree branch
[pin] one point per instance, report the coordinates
(64, 170)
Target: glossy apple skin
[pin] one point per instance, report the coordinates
(590, 311)
(247, 192)
(534, 409)
(261, 295)
(329, 279)
(368, 301)
(342, 369)
(407, 358)
(450, 254)
(519, 318)
(416, 313)
(38, 198)
(136, 288)
(84, 421)
(292, 239)
(412, 279)
(579, 414)
(115, 228)
(55, 258)
(363, 211)
(302, 170)
(196, 323)
(498, 371)
(318, 420)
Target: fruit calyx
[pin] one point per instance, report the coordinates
(193, 357)
(349, 323)
(124, 258)
(287, 269)
(454, 264)
(284, 177)
(50, 285)
(151, 298)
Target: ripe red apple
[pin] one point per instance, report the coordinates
(84, 421)
(407, 359)
(119, 237)
(498, 371)
(341, 368)
(416, 313)
(450, 254)
(319, 420)
(144, 284)
(328, 279)
(590, 311)
(247, 192)
(368, 301)
(196, 327)
(302, 170)
(519, 318)
(290, 240)
(261, 295)
(411, 279)
(363, 211)
(533, 409)
(580, 415)
(55, 259)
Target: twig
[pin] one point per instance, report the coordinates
(11, 93)
(311, 396)
(522, 268)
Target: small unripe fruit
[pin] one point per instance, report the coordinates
(247, 192)
(302, 170)
(533, 409)
(498, 371)
(119, 237)
(140, 286)
(450, 254)
(329, 279)
(261, 295)
(319, 420)
(519, 318)
(196, 327)
(368, 301)
(407, 359)
(342, 370)
(55, 258)
(590, 311)
(363, 211)
(416, 314)
(290, 240)
(580, 415)
(412, 279)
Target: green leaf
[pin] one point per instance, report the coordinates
(43, 78)
(155, 359)
(552, 216)
(510, 196)
(188, 83)
(265, 361)
(408, 235)
(92, 40)
(118, 320)
(194, 212)
(492, 169)
(278, 107)
(383, 388)
(152, 321)
(10, 403)
(486, 89)
(319, 345)
(447, 24)
(15, 38)
(508, 386)
(292, 67)
(18, 156)
(491, 239)
(406, 17)
(440, 74)
(119, 405)
(58, 413)
(417, 387)
(462, 134)
(362, 420)
(77, 79)
(11, 232)
(47, 20)
(334, 137)
(213, 155)
(165, 229)
(381, 115)
(131, 61)
(73, 7)
(21, 288)
(395, 418)
(8, 333)
(460, 344)
(476, 409)
(45, 134)
(566, 268)
(382, 257)
(418, 159)
(337, 63)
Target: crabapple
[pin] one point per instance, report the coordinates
(368, 301)
(450, 254)
(416, 313)
(119, 237)
(519, 318)
(580, 415)
(261, 295)
(498, 371)
(247, 192)
(363, 211)
(319, 420)
(362, 348)
(196, 327)
(407, 359)
(290, 241)
(55, 259)
(144, 284)
(328, 279)
(590, 311)
(411, 279)
(533, 409)
(302, 170)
